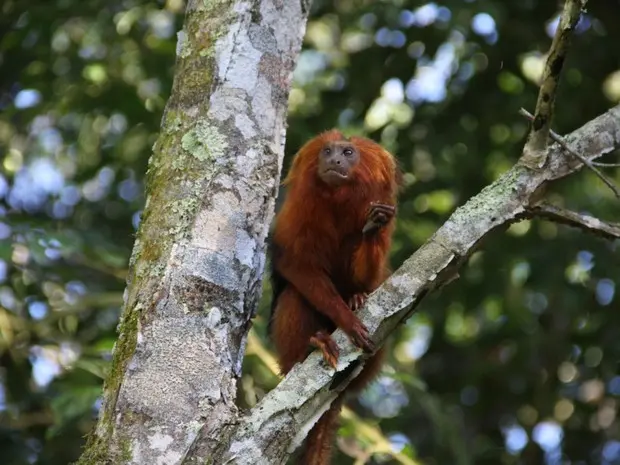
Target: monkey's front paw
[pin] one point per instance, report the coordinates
(324, 342)
(358, 333)
(357, 301)
(379, 215)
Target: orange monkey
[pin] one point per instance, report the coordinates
(329, 251)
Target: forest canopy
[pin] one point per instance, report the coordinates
(515, 362)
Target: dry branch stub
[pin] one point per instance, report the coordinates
(534, 153)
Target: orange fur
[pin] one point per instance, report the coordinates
(321, 260)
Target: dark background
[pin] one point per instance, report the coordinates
(515, 363)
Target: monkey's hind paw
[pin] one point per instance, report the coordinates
(324, 342)
(357, 301)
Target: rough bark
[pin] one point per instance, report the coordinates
(277, 424)
(198, 258)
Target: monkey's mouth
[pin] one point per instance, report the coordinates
(334, 177)
(333, 172)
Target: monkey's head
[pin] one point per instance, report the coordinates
(337, 161)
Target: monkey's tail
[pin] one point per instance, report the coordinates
(320, 440)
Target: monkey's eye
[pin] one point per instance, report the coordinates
(348, 152)
(327, 150)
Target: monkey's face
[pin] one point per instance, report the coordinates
(337, 161)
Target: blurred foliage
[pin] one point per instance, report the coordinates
(514, 363)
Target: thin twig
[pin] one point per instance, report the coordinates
(586, 222)
(588, 163)
(534, 152)
(606, 165)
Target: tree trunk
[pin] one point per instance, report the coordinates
(198, 258)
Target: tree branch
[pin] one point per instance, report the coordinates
(280, 420)
(585, 222)
(372, 434)
(534, 154)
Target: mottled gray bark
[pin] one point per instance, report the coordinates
(280, 420)
(198, 259)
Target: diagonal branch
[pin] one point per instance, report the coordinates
(276, 425)
(372, 434)
(587, 223)
(534, 154)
